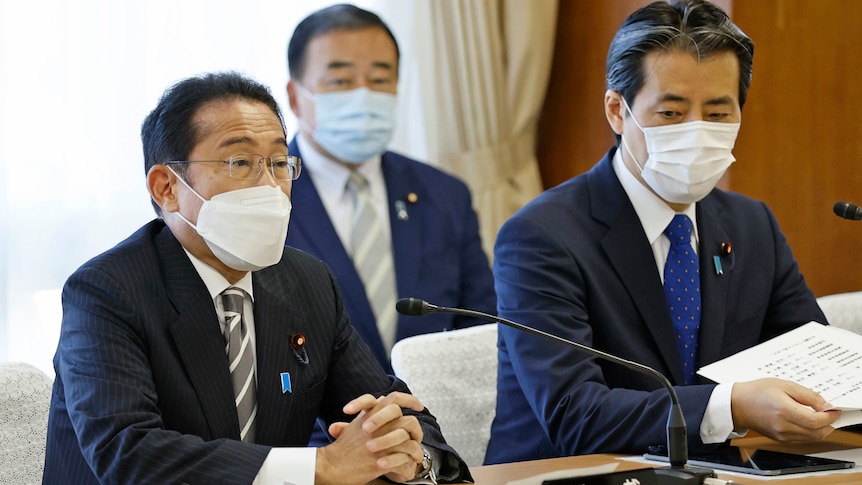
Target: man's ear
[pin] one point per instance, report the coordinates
(161, 182)
(291, 97)
(615, 110)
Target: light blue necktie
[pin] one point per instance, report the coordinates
(682, 289)
(372, 256)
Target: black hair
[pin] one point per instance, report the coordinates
(337, 17)
(693, 26)
(169, 132)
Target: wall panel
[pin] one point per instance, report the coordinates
(800, 147)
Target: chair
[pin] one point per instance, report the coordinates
(843, 310)
(25, 395)
(454, 374)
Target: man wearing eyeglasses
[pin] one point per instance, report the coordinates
(201, 350)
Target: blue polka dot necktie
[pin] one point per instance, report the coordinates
(682, 289)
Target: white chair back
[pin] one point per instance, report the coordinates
(25, 396)
(843, 310)
(454, 374)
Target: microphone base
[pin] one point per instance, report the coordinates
(694, 475)
(644, 476)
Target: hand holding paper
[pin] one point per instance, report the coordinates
(824, 359)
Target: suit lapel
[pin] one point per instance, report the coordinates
(713, 286)
(631, 256)
(310, 225)
(199, 342)
(407, 209)
(275, 324)
(312, 231)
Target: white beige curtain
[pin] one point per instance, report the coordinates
(474, 76)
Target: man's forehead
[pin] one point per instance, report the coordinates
(677, 75)
(340, 44)
(227, 115)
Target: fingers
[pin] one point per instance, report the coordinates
(358, 457)
(408, 401)
(385, 409)
(367, 401)
(402, 430)
(803, 395)
(808, 409)
(335, 429)
(380, 435)
(781, 410)
(363, 402)
(406, 452)
(401, 461)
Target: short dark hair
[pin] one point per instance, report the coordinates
(337, 17)
(693, 26)
(169, 131)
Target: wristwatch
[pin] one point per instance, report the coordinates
(425, 470)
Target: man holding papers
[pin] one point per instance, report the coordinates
(642, 257)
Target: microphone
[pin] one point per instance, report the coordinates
(677, 446)
(847, 210)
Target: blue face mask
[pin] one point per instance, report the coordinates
(354, 125)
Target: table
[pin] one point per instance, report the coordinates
(838, 440)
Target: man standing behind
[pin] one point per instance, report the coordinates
(201, 350)
(642, 257)
(388, 226)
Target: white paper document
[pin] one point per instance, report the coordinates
(822, 358)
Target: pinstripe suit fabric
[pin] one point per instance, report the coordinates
(142, 391)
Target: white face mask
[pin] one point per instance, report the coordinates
(246, 228)
(352, 125)
(686, 160)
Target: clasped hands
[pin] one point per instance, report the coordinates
(380, 440)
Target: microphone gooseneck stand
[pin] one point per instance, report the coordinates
(678, 472)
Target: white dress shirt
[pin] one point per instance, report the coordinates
(330, 180)
(655, 215)
(296, 463)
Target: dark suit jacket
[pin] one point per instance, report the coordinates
(576, 263)
(142, 391)
(437, 250)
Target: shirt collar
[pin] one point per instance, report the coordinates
(330, 176)
(653, 212)
(215, 282)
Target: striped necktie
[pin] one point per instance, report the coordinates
(682, 289)
(372, 257)
(241, 362)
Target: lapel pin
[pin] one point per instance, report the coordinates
(401, 210)
(717, 261)
(285, 383)
(297, 344)
(412, 198)
(726, 248)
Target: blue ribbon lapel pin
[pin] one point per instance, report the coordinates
(286, 386)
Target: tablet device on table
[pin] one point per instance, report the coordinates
(756, 462)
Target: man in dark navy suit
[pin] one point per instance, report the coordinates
(343, 64)
(201, 350)
(644, 258)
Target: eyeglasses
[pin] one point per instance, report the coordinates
(247, 166)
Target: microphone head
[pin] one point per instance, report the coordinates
(847, 210)
(412, 306)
